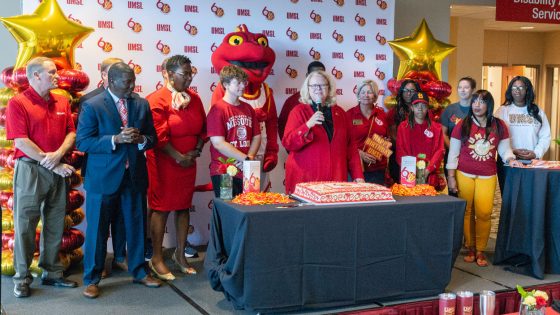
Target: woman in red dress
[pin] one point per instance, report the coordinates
(180, 123)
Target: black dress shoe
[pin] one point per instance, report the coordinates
(22, 290)
(60, 282)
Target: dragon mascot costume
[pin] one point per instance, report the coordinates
(252, 53)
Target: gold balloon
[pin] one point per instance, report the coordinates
(420, 51)
(8, 263)
(5, 95)
(390, 102)
(47, 32)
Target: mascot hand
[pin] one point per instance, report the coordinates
(269, 162)
(261, 114)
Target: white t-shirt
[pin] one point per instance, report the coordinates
(525, 131)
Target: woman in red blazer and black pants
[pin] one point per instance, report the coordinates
(318, 138)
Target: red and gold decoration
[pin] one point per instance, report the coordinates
(261, 198)
(418, 190)
(48, 33)
(420, 57)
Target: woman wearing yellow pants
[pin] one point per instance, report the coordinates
(474, 145)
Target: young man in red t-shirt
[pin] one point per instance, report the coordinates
(233, 128)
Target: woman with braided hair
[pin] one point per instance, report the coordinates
(527, 124)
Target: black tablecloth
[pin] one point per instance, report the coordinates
(529, 231)
(267, 258)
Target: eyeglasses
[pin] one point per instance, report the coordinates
(185, 76)
(517, 88)
(411, 91)
(318, 86)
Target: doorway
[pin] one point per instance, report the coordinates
(552, 109)
(495, 78)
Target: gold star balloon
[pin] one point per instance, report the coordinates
(47, 32)
(420, 52)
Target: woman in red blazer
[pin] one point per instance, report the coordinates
(318, 138)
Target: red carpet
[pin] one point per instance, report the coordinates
(506, 302)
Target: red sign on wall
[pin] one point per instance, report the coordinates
(534, 11)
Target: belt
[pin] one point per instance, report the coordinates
(28, 160)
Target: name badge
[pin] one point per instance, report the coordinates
(428, 133)
(357, 122)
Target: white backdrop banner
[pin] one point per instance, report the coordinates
(348, 37)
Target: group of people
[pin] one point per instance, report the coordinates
(142, 155)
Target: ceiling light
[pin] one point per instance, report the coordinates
(527, 27)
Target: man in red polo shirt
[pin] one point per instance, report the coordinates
(41, 125)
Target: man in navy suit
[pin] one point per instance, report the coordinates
(117, 222)
(115, 129)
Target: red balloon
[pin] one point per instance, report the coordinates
(74, 158)
(394, 85)
(19, 79)
(75, 118)
(75, 200)
(71, 240)
(3, 116)
(437, 89)
(6, 76)
(72, 80)
(5, 196)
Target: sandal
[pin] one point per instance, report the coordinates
(481, 260)
(188, 269)
(470, 257)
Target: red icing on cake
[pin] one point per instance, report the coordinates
(324, 193)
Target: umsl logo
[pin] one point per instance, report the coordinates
(315, 54)
(105, 46)
(291, 72)
(135, 67)
(134, 26)
(360, 20)
(268, 14)
(163, 7)
(217, 10)
(106, 4)
(163, 48)
(74, 19)
(337, 36)
(359, 56)
(382, 4)
(315, 17)
(381, 39)
(212, 86)
(159, 85)
(336, 73)
(380, 74)
(213, 47)
(191, 29)
(291, 34)
(355, 89)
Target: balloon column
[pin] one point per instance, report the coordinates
(420, 57)
(47, 32)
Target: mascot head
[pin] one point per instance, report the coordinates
(247, 50)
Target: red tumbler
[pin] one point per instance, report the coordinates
(447, 304)
(464, 303)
